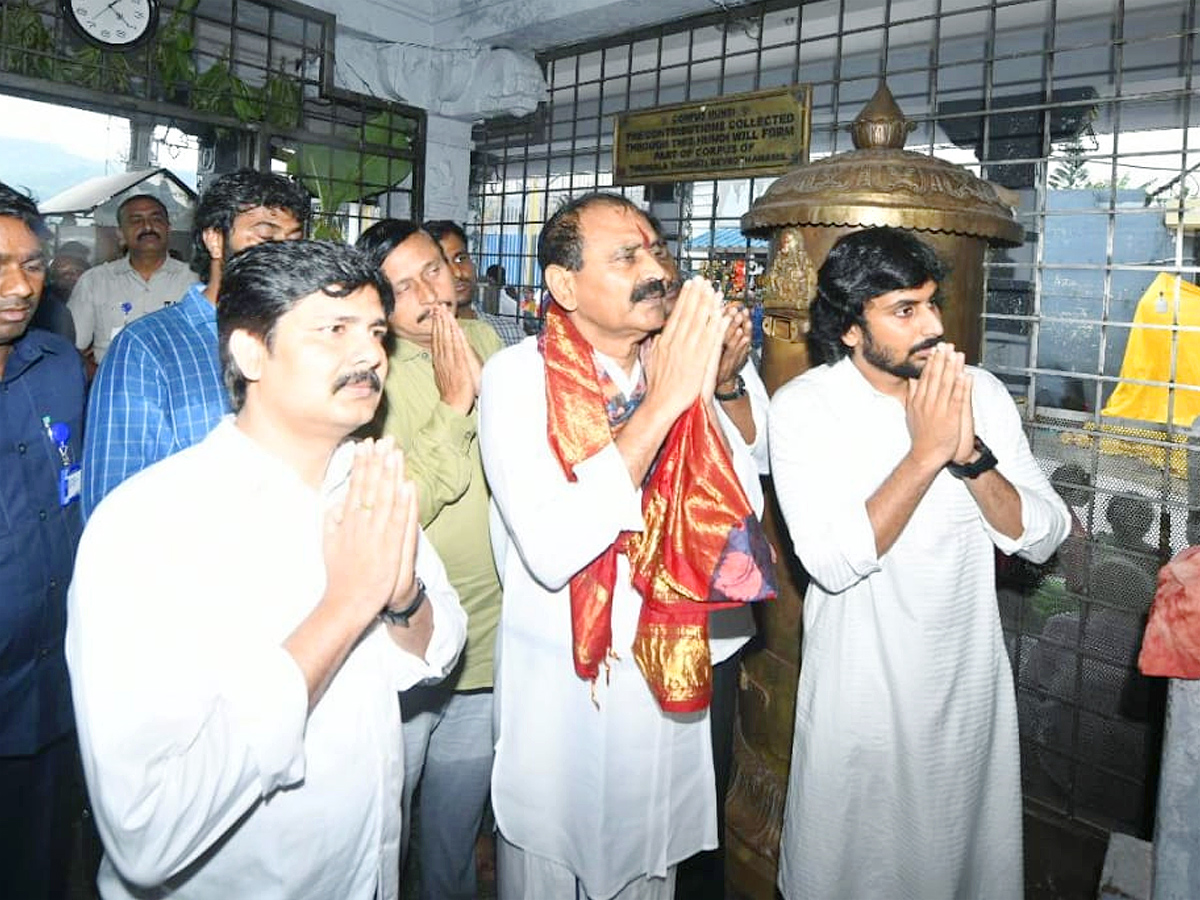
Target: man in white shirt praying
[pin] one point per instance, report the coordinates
(899, 471)
(243, 613)
(603, 779)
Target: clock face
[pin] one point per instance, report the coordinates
(113, 24)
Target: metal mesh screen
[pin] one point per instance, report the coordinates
(1087, 111)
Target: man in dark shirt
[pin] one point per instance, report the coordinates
(41, 420)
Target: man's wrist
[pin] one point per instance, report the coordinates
(981, 460)
(731, 389)
(402, 615)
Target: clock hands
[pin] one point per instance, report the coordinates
(115, 12)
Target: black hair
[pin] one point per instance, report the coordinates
(1071, 478)
(135, 197)
(16, 205)
(264, 282)
(861, 266)
(1129, 516)
(73, 250)
(439, 228)
(378, 241)
(231, 195)
(560, 243)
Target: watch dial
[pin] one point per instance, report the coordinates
(116, 23)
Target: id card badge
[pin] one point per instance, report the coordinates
(70, 476)
(70, 481)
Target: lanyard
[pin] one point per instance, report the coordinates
(69, 477)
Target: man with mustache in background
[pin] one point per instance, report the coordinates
(899, 471)
(432, 386)
(236, 688)
(107, 298)
(159, 389)
(453, 241)
(617, 498)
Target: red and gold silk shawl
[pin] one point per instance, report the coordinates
(702, 548)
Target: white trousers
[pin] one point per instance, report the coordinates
(526, 876)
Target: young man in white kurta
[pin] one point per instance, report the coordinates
(234, 689)
(905, 773)
(596, 788)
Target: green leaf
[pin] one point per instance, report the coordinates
(338, 175)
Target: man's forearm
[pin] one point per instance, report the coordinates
(642, 437)
(893, 503)
(999, 502)
(741, 414)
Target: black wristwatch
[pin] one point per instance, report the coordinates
(401, 616)
(985, 463)
(739, 390)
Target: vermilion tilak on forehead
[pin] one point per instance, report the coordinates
(647, 238)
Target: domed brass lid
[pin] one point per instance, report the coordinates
(881, 184)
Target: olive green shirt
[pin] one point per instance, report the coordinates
(441, 452)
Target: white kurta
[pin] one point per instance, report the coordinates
(905, 773)
(616, 791)
(207, 773)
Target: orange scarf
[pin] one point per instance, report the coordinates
(702, 547)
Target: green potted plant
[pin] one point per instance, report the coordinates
(30, 43)
(173, 68)
(336, 175)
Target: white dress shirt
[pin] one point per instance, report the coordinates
(110, 296)
(208, 776)
(905, 770)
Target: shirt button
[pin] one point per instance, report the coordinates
(43, 652)
(42, 515)
(53, 582)
(21, 449)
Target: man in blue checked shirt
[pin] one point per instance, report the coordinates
(159, 388)
(41, 417)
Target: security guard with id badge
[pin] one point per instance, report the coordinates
(41, 423)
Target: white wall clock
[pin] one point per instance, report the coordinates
(112, 24)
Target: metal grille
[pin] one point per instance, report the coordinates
(251, 81)
(1087, 110)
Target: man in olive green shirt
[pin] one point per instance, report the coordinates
(432, 384)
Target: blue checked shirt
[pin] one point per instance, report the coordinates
(158, 390)
(508, 327)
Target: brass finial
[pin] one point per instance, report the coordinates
(881, 125)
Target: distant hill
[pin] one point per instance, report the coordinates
(46, 169)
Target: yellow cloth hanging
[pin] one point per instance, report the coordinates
(1148, 356)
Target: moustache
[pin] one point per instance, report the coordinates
(425, 314)
(364, 376)
(927, 344)
(655, 287)
(149, 232)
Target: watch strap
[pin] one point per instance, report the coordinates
(985, 463)
(401, 616)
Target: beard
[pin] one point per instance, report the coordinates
(883, 360)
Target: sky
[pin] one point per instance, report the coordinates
(46, 148)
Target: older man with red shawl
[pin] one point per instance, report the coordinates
(620, 523)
